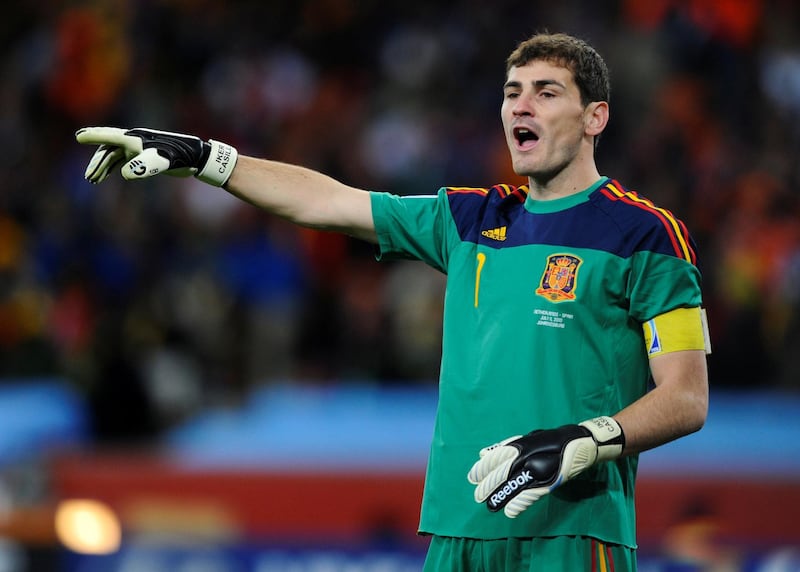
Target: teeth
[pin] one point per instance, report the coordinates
(524, 134)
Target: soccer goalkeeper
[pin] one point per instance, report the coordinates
(565, 299)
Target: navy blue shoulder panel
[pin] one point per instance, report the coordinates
(643, 225)
(481, 210)
(613, 219)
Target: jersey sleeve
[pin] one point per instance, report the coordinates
(663, 270)
(417, 227)
(659, 283)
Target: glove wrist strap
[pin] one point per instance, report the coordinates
(219, 166)
(608, 435)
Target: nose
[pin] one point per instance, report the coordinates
(522, 106)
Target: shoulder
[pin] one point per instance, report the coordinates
(646, 225)
(473, 208)
(468, 201)
(477, 195)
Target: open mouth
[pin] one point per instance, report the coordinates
(525, 138)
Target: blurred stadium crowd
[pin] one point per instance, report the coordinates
(158, 298)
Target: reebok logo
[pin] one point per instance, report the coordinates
(511, 486)
(495, 233)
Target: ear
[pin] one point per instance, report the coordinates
(596, 117)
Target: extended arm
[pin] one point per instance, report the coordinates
(301, 195)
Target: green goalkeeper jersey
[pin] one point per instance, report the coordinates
(543, 315)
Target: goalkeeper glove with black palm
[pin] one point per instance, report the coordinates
(515, 473)
(147, 152)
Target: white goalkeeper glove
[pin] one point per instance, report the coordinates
(147, 152)
(515, 473)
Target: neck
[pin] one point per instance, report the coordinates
(574, 178)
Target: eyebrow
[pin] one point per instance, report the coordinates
(539, 83)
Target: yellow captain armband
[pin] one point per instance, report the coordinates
(677, 330)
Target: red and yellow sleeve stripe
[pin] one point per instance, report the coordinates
(467, 191)
(503, 190)
(676, 230)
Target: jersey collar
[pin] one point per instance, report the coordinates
(543, 207)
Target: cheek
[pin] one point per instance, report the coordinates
(572, 128)
(505, 115)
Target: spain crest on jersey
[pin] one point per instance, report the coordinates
(560, 277)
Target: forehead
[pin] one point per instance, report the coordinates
(541, 70)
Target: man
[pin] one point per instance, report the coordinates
(565, 299)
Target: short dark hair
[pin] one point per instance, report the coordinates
(587, 66)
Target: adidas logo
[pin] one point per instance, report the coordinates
(495, 233)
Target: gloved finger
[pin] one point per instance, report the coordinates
(490, 448)
(523, 500)
(493, 479)
(112, 136)
(145, 164)
(102, 163)
(490, 458)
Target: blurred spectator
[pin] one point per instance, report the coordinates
(757, 239)
(696, 542)
(414, 299)
(91, 57)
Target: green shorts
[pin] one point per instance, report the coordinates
(557, 554)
